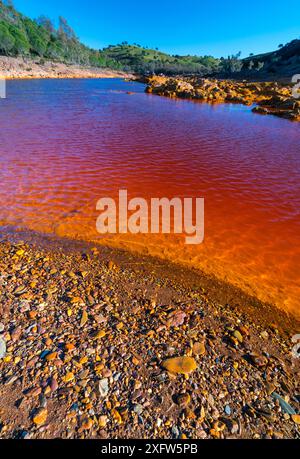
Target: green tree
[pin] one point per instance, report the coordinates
(38, 37)
(233, 63)
(21, 45)
(46, 23)
(7, 41)
(65, 31)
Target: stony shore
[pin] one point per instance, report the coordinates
(21, 68)
(97, 343)
(269, 98)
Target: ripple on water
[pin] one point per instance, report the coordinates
(64, 144)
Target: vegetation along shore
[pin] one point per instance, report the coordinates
(14, 68)
(41, 40)
(97, 343)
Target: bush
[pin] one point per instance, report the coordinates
(7, 41)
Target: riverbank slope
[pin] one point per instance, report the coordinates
(90, 344)
(26, 68)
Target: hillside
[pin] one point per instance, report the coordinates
(38, 39)
(22, 36)
(141, 60)
(283, 63)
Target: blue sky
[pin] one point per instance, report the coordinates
(217, 27)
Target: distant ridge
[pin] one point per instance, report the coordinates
(22, 36)
(284, 62)
(39, 39)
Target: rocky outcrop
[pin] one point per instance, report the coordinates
(268, 98)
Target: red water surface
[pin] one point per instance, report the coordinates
(66, 143)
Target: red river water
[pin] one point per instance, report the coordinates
(66, 143)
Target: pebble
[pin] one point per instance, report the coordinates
(296, 418)
(238, 336)
(175, 432)
(53, 385)
(258, 360)
(69, 377)
(116, 416)
(40, 417)
(2, 348)
(211, 400)
(180, 365)
(102, 421)
(227, 410)
(44, 354)
(138, 409)
(285, 406)
(51, 356)
(16, 334)
(60, 365)
(264, 335)
(34, 392)
(176, 318)
(86, 424)
(84, 319)
(20, 290)
(270, 388)
(244, 330)
(103, 387)
(183, 400)
(199, 349)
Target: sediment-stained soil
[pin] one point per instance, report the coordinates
(269, 98)
(90, 340)
(26, 68)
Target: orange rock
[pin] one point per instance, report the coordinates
(32, 314)
(87, 424)
(84, 319)
(112, 266)
(180, 365)
(34, 392)
(51, 356)
(214, 433)
(244, 331)
(40, 416)
(69, 347)
(100, 334)
(135, 361)
(102, 421)
(69, 377)
(16, 334)
(76, 300)
(199, 349)
(116, 416)
(296, 418)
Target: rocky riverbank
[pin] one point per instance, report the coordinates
(22, 68)
(97, 343)
(270, 98)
